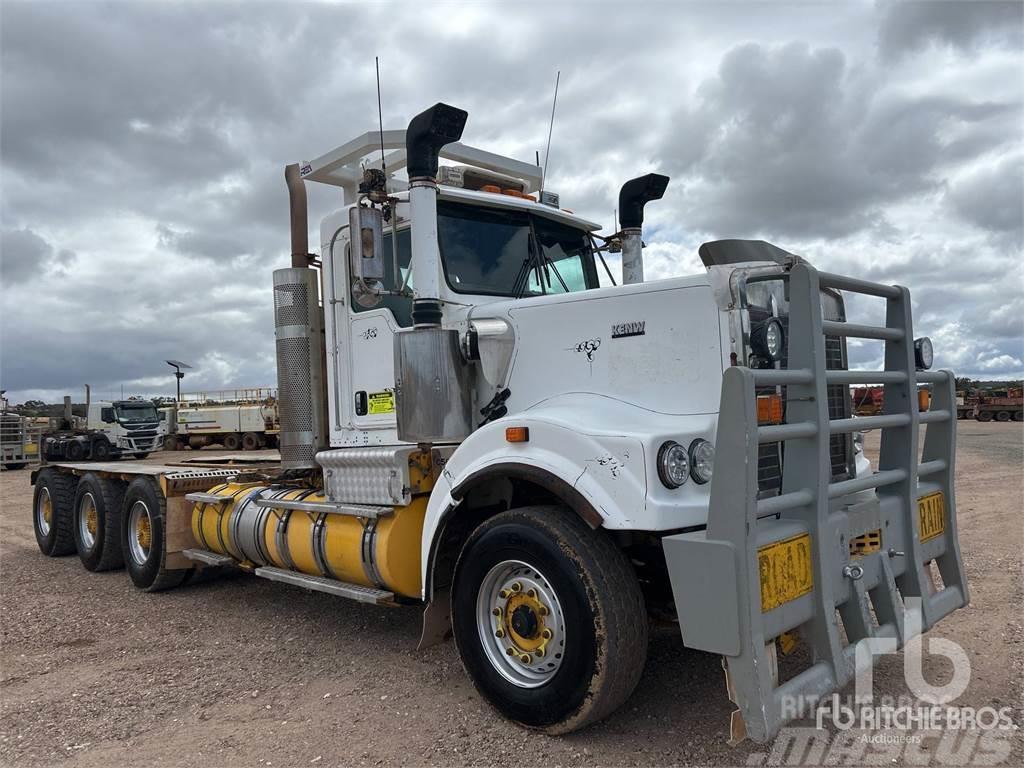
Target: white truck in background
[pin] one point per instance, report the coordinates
(235, 419)
(113, 429)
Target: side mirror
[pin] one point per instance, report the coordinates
(367, 227)
(107, 415)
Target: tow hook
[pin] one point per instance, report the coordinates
(855, 572)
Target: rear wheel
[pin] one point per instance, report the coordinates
(250, 441)
(1018, 416)
(76, 450)
(1003, 416)
(53, 511)
(984, 416)
(98, 523)
(142, 538)
(232, 442)
(101, 449)
(548, 618)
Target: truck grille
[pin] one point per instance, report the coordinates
(770, 456)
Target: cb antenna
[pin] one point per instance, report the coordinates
(551, 126)
(380, 116)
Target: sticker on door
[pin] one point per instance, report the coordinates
(381, 402)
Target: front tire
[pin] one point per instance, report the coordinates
(142, 538)
(548, 618)
(97, 523)
(53, 511)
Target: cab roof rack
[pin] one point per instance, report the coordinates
(343, 166)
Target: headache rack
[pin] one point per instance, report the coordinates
(823, 557)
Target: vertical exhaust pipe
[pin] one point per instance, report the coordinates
(633, 196)
(427, 133)
(67, 412)
(299, 215)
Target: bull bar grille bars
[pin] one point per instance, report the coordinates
(717, 573)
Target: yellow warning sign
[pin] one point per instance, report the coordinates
(381, 402)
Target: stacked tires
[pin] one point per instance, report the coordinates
(109, 523)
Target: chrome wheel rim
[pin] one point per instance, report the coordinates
(140, 532)
(44, 511)
(88, 521)
(521, 624)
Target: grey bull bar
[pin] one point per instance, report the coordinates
(832, 560)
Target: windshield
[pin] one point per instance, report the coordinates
(135, 413)
(512, 253)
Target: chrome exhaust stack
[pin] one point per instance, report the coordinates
(633, 196)
(432, 384)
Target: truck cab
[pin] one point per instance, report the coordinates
(130, 426)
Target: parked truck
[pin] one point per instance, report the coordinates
(472, 424)
(245, 419)
(1001, 405)
(112, 429)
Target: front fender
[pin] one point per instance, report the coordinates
(605, 471)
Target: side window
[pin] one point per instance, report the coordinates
(400, 306)
(107, 415)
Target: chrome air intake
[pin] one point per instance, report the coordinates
(299, 331)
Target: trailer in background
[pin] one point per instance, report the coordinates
(1000, 405)
(19, 440)
(241, 418)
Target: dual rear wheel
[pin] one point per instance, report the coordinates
(109, 523)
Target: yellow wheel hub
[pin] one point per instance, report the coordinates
(47, 509)
(91, 521)
(143, 533)
(523, 619)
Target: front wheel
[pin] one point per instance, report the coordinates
(548, 618)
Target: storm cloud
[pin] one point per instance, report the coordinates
(143, 205)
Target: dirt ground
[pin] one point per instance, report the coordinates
(240, 671)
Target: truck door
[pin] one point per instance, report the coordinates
(371, 344)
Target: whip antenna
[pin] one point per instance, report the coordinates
(380, 116)
(551, 126)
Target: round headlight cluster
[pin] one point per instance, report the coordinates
(676, 463)
(768, 339)
(673, 464)
(702, 460)
(924, 355)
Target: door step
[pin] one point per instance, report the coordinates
(331, 586)
(206, 557)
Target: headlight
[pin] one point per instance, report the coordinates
(702, 460)
(924, 355)
(768, 339)
(673, 465)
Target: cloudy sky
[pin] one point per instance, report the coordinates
(143, 144)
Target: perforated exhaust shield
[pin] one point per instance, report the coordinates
(299, 330)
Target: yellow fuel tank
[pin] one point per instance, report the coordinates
(382, 552)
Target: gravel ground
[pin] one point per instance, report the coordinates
(240, 671)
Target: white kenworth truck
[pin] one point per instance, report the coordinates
(472, 424)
